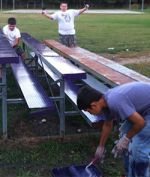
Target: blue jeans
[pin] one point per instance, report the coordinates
(137, 159)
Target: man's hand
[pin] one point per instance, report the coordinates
(87, 6)
(44, 11)
(121, 146)
(84, 9)
(99, 155)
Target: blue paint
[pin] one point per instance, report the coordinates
(76, 171)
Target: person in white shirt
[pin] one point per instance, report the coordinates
(13, 35)
(65, 20)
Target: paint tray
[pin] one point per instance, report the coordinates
(76, 171)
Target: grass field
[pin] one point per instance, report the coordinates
(96, 33)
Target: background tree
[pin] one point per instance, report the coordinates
(72, 3)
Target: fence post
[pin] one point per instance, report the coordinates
(13, 4)
(142, 7)
(1, 5)
(130, 1)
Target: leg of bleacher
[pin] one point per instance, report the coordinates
(36, 65)
(24, 46)
(4, 101)
(62, 108)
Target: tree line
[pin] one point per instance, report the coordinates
(72, 3)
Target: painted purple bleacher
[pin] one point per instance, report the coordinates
(7, 54)
(71, 91)
(62, 67)
(33, 93)
(70, 88)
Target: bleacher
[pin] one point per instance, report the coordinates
(69, 69)
(62, 63)
(7, 56)
(33, 93)
(102, 68)
(64, 73)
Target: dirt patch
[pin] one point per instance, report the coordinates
(124, 58)
(46, 126)
(141, 59)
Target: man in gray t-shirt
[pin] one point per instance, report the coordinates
(131, 103)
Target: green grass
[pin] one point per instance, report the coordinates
(38, 159)
(147, 10)
(96, 33)
(143, 68)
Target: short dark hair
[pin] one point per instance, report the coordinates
(12, 21)
(87, 95)
(63, 2)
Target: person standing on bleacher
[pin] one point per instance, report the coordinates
(13, 35)
(65, 20)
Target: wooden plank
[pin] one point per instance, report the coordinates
(98, 66)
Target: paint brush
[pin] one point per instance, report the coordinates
(91, 163)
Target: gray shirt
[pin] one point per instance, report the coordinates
(126, 99)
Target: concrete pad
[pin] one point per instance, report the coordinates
(109, 11)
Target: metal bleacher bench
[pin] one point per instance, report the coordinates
(110, 72)
(59, 64)
(7, 56)
(34, 94)
(101, 74)
(60, 70)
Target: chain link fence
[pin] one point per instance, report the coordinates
(54, 4)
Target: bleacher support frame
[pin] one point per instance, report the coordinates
(7, 56)
(62, 113)
(78, 60)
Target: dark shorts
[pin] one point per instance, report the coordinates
(19, 50)
(68, 40)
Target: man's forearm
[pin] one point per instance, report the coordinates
(16, 42)
(106, 130)
(135, 129)
(47, 16)
(82, 10)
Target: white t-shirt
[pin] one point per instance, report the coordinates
(66, 21)
(11, 35)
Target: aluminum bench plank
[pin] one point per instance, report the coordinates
(71, 91)
(95, 83)
(100, 67)
(33, 92)
(7, 53)
(33, 43)
(64, 68)
(58, 64)
(48, 71)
